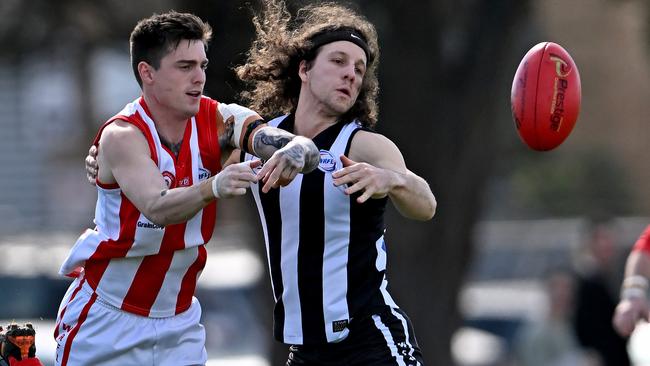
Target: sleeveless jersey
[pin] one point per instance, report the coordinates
(326, 252)
(132, 263)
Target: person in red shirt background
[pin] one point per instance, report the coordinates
(633, 305)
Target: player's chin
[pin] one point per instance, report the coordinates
(192, 107)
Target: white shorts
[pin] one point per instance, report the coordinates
(89, 331)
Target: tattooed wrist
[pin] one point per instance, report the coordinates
(267, 141)
(309, 152)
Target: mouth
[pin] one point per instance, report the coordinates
(194, 94)
(344, 91)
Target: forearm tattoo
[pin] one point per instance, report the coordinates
(267, 141)
(301, 151)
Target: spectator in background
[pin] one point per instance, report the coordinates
(596, 296)
(551, 341)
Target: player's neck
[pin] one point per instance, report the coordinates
(312, 118)
(169, 123)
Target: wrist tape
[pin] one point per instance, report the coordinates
(634, 287)
(215, 185)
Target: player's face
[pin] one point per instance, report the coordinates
(335, 77)
(178, 83)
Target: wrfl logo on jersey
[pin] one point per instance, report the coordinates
(327, 161)
(204, 174)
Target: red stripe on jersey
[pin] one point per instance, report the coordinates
(147, 283)
(142, 126)
(184, 299)
(643, 243)
(98, 262)
(150, 275)
(75, 329)
(60, 317)
(209, 146)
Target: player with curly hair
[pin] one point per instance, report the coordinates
(325, 231)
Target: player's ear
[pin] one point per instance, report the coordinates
(303, 67)
(146, 72)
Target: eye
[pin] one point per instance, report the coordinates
(185, 67)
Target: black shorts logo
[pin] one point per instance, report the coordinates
(339, 325)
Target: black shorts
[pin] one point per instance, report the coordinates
(382, 339)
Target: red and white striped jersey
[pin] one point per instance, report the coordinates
(132, 263)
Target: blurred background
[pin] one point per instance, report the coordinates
(522, 240)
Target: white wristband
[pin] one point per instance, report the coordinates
(215, 185)
(634, 287)
(633, 293)
(636, 281)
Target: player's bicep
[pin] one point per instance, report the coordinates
(376, 150)
(126, 153)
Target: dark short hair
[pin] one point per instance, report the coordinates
(156, 36)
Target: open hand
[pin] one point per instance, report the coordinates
(234, 179)
(628, 313)
(372, 181)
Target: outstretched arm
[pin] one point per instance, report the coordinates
(377, 169)
(284, 153)
(124, 158)
(634, 299)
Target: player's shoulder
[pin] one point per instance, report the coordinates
(367, 145)
(121, 132)
(120, 126)
(365, 136)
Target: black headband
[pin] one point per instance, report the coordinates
(345, 34)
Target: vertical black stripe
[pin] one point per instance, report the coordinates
(310, 257)
(364, 281)
(271, 206)
(366, 226)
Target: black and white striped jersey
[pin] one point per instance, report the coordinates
(326, 252)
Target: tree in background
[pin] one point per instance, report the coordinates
(446, 73)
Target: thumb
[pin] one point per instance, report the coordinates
(255, 163)
(347, 161)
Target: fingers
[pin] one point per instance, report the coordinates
(236, 179)
(255, 163)
(347, 161)
(622, 324)
(278, 171)
(91, 165)
(628, 312)
(279, 177)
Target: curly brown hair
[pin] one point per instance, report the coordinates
(271, 70)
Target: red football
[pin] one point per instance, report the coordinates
(545, 97)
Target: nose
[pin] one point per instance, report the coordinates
(199, 76)
(349, 73)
